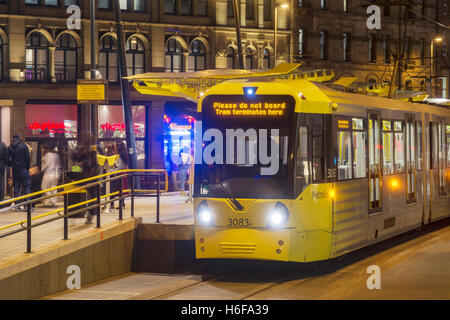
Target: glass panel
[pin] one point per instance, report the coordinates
(51, 2)
(357, 124)
(388, 153)
(318, 158)
(169, 6)
(419, 146)
(302, 176)
(104, 4)
(344, 139)
(201, 7)
(111, 123)
(186, 7)
(359, 140)
(51, 120)
(399, 152)
(139, 5)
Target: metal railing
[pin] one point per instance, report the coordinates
(93, 188)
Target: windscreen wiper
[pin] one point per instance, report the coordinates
(217, 181)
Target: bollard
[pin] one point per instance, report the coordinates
(98, 187)
(66, 218)
(29, 228)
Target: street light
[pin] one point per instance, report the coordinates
(278, 5)
(437, 39)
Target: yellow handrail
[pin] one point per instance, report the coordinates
(76, 183)
(87, 180)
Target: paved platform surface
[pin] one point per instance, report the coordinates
(174, 210)
(416, 269)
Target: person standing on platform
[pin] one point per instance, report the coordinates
(51, 169)
(19, 161)
(4, 159)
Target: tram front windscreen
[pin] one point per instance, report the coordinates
(246, 143)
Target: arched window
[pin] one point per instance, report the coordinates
(267, 61)
(174, 56)
(231, 58)
(250, 58)
(108, 63)
(66, 58)
(197, 56)
(135, 55)
(37, 57)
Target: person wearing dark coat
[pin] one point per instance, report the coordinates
(4, 159)
(19, 161)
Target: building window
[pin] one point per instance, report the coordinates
(345, 4)
(174, 56)
(323, 4)
(388, 148)
(346, 49)
(387, 11)
(201, 7)
(104, 4)
(197, 56)
(37, 57)
(135, 56)
(250, 10)
(51, 3)
(266, 59)
(231, 58)
(108, 59)
(186, 7)
(123, 4)
(445, 7)
(32, 2)
(399, 145)
(323, 45)
(386, 52)
(250, 59)
(69, 3)
(372, 49)
(267, 10)
(1, 58)
(422, 52)
(230, 9)
(169, 6)
(408, 48)
(301, 42)
(66, 58)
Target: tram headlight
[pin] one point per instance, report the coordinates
(204, 214)
(279, 216)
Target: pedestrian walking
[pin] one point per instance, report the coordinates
(4, 159)
(51, 169)
(19, 161)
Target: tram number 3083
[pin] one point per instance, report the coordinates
(238, 223)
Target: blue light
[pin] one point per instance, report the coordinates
(250, 92)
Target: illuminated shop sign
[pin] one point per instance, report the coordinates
(118, 126)
(175, 126)
(52, 127)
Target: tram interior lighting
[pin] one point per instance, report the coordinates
(204, 214)
(279, 215)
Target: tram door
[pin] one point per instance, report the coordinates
(374, 163)
(410, 160)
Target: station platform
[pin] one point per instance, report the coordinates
(173, 211)
(119, 246)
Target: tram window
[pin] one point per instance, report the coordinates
(448, 146)
(399, 138)
(419, 145)
(359, 149)
(302, 172)
(411, 145)
(434, 145)
(442, 157)
(318, 148)
(388, 148)
(344, 139)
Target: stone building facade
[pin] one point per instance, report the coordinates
(334, 34)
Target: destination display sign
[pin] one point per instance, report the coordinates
(260, 107)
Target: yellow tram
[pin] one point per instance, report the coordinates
(290, 170)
